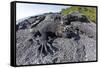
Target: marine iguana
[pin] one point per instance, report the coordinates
(48, 30)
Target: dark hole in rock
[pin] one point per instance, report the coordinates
(55, 60)
(31, 41)
(67, 23)
(73, 18)
(51, 34)
(49, 50)
(37, 34)
(77, 37)
(77, 28)
(70, 34)
(82, 32)
(83, 19)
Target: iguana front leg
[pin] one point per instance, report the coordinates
(46, 46)
(43, 43)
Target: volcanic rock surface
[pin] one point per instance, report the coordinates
(55, 38)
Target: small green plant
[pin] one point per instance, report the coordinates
(90, 12)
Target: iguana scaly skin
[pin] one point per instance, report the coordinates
(45, 27)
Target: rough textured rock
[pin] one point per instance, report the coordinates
(53, 38)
